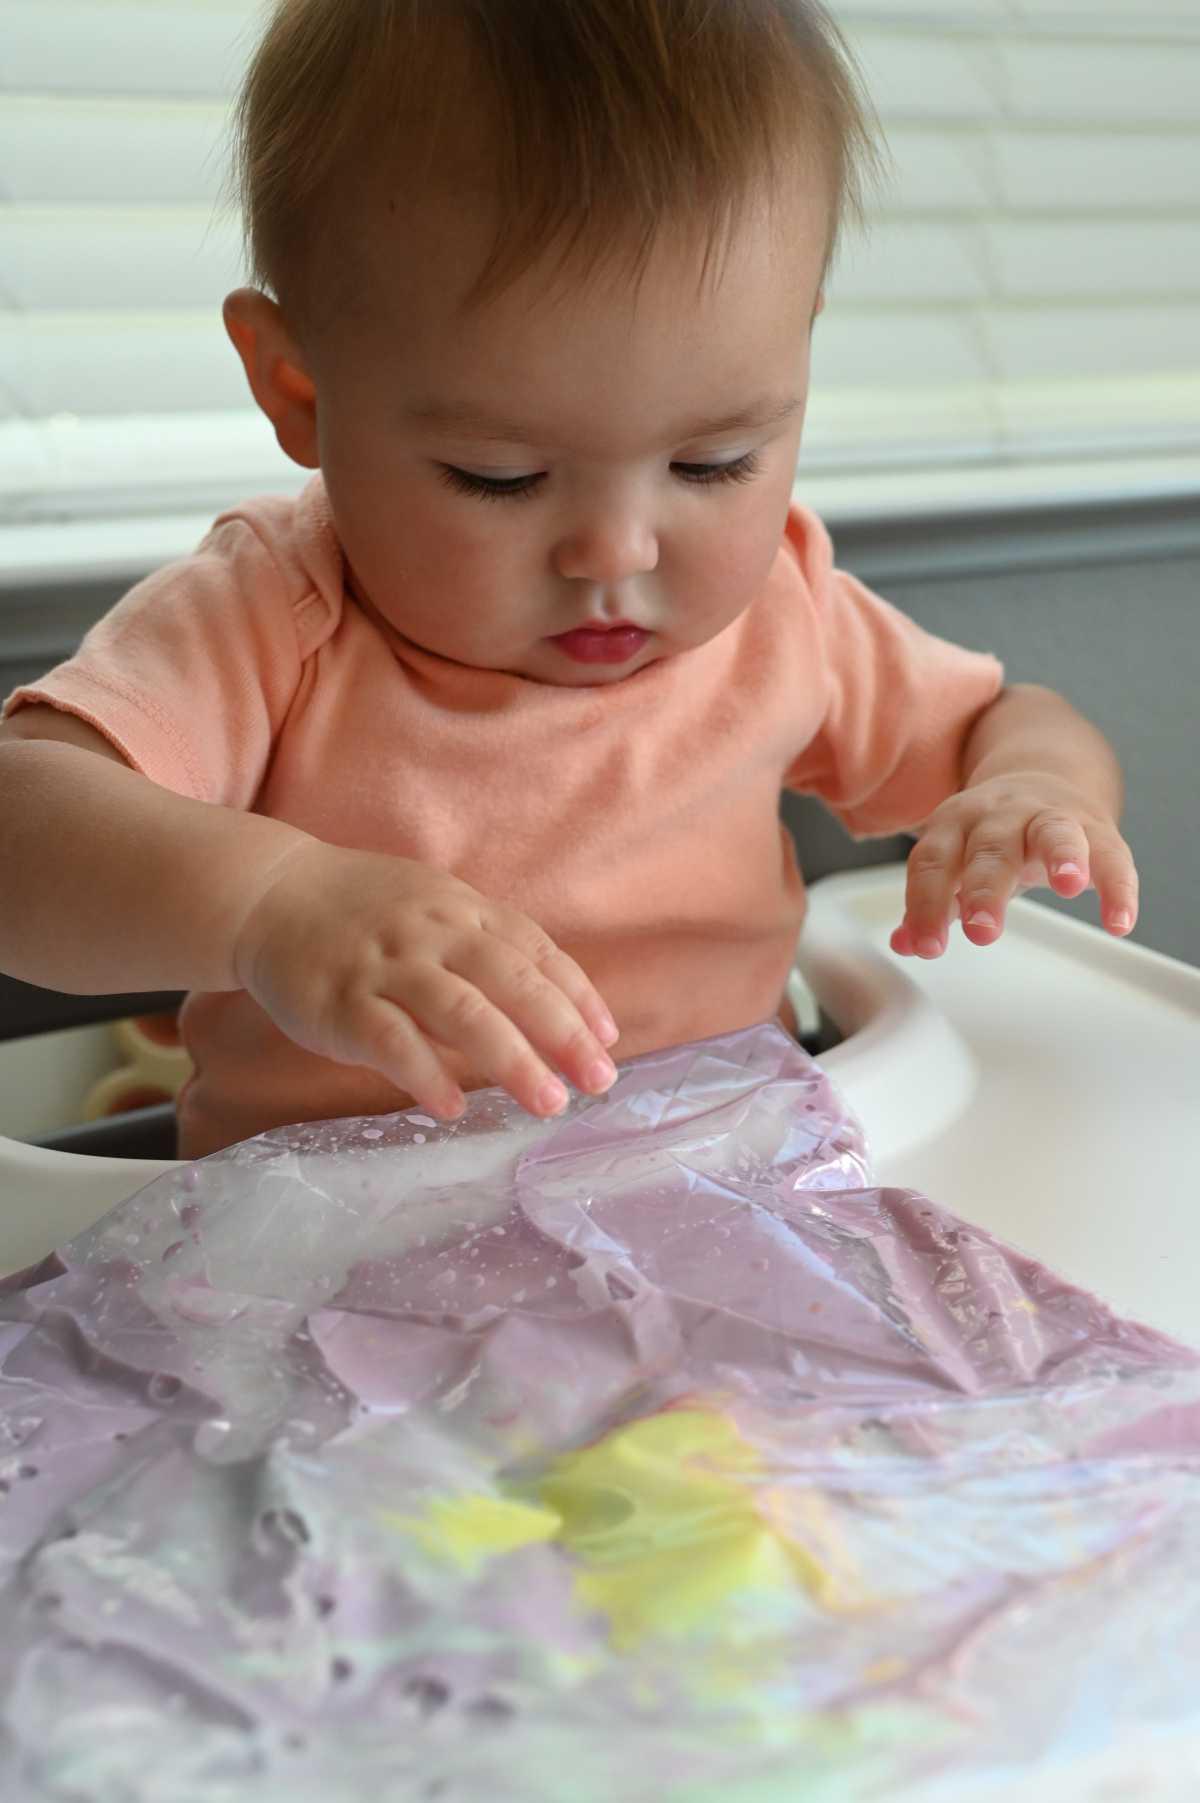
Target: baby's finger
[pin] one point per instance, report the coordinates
(995, 855)
(902, 941)
(542, 1012)
(1059, 844)
(384, 1036)
(558, 966)
(458, 1014)
(561, 970)
(1115, 876)
(930, 888)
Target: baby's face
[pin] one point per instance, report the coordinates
(557, 460)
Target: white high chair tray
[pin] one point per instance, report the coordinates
(1046, 1087)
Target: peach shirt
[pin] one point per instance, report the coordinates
(637, 822)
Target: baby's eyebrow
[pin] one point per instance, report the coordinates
(463, 417)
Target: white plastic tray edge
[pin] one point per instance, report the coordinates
(869, 898)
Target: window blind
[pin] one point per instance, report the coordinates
(1028, 288)
(1025, 297)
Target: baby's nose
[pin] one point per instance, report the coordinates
(607, 551)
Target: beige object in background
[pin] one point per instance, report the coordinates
(154, 1069)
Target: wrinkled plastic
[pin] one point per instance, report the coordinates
(647, 1454)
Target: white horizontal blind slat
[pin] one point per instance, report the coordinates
(158, 47)
(924, 77)
(1042, 232)
(118, 363)
(139, 152)
(198, 452)
(1147, 19)
(1028, 288)
(1102, 85)
(1038, 169)
(81, 259)
(1075, 171)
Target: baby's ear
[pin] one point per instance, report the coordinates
(275, 371)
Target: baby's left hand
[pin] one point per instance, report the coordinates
(1003, 835)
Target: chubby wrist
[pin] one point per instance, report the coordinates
(260, 894)
(1032, 736)
(1085, 784)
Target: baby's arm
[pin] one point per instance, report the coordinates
(1040, 801)
(110, 882)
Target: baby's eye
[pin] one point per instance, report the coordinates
(490, 488)
(740, 470)
(499, 488)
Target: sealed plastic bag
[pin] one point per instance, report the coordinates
(647, 1454)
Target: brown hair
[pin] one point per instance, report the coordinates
(593, 120)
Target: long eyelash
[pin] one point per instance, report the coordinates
(522, 488)
(518, 488)
(701, 474)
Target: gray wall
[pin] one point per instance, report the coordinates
(1103, 605)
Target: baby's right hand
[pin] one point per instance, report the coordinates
(382, 961)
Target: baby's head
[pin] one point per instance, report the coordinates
(535, 289)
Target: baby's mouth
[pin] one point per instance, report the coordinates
(604, 642)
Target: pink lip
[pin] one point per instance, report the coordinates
(602, 642)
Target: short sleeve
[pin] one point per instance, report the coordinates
(191, 674)
(897, 703)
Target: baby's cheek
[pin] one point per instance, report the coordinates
(733, 563)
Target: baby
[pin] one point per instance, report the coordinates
(441, 773)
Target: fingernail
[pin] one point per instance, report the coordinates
(1122, 922)
(929, 947)
(981, 918)
(600, 1075)
(552, 1097)
(1067, 870)
(608, 1031)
